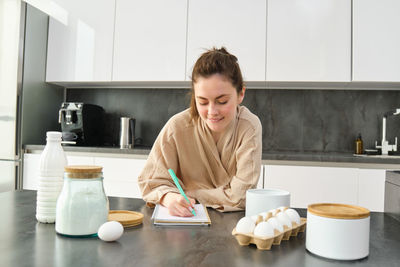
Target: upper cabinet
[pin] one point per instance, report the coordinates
(80, 47)
(239, 25)
(150, 40)
(159, 41)
(376, 40)
(309, 40)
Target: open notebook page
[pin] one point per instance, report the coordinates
(161, 214)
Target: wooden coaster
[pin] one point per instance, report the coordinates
(126, 217)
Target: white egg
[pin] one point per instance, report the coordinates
(283, 208)
(110, 231)
(284, 219)
(254, 218)
(265, 215)
(264, 229)
(276, 224)
(274, 212)
(245, 225)
(293, 215)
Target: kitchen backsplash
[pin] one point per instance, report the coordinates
(292, 120)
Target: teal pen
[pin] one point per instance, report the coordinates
(171, 172)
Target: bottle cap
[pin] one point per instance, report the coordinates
(54, 135)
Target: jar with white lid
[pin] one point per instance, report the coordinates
(82, 206)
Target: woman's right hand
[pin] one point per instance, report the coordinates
(177, 204)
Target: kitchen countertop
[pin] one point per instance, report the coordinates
(25, 242)
(334, 159)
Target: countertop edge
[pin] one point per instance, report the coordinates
(328, 159)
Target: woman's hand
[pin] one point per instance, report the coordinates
(177, 204)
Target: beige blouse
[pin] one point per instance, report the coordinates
(215, 174)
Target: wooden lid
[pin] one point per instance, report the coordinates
(126, 217)
(338, 211)
(83, 169)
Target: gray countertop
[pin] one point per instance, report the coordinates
(25, 242)
(276, 157)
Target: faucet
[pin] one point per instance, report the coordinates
(385, 146)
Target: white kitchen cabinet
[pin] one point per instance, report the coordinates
(309, 40)
(376, 40)
(80, 160)
(150, 40)
(371, 189)
(30, 172)
(307, 185)
(80, 48)
(31, 168)
(121, 176)
(239, 25)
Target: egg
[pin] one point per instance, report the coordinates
(110, 231)
(276, 224)
(264, 230)
(265, 215)
(274, 212)
(293, 215)
(245, 225)
(284, 219)
(283, 208)
(254, 218)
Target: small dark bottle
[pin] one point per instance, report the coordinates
(359, 145)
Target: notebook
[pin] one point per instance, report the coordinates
(162, 217)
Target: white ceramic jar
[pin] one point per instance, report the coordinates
(338, 231)
(82, 206)
(261, 200)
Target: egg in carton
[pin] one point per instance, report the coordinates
(269, 228)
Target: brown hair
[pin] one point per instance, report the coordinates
(215, 61)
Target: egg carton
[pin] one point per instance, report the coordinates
(267, 242)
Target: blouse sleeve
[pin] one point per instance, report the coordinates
(232, 196)
(154, 180)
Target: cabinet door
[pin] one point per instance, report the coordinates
(7, 170)
(30, 172)
(80, 160)
(309, 40)
(309, 185)
(376, 40)
(371, 189)
(120, 176)
(31, 168)
(239, 25)
(150, 40)
(80, 47)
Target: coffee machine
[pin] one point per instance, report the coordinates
(81, 124)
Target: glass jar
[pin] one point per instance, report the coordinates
(82, 206)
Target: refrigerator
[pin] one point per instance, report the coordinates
(10, 82)
(28, 105)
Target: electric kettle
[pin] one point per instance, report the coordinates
(127, 133)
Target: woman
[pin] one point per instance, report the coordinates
(214, 147)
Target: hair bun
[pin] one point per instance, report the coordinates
(223, 50)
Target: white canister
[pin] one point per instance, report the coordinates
(261, 200)
(338, 231)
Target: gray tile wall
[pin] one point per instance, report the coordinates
(292, 120)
